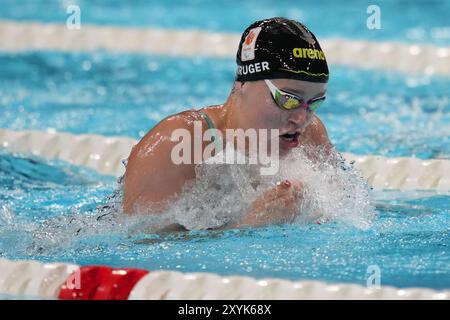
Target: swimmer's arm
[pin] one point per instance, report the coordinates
(152, 177)
(315, 139)
(322, 140)
(317, 136)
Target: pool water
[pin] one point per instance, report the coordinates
(418, 21)
(124, 94)
(21, 297)
(48, 208)
(49, 213)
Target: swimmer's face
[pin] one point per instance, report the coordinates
(260, 111)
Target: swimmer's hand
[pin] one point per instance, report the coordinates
(277, 205)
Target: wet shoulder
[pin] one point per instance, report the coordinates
(182, 120)
(160, 135)
(315, 133)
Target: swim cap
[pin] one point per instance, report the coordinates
(280, 48)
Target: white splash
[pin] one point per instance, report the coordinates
(223, 193)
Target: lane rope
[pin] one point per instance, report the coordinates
(16, 37)
(105, 155)
(72, 282)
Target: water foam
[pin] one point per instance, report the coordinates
(223, 193)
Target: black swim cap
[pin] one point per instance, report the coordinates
(280, 48)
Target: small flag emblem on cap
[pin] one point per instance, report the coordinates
(248, 47)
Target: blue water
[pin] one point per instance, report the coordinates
(48, 208)
(407, 21)
(113, 94)
(48, 213)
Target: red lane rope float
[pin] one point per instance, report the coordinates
(100, 283)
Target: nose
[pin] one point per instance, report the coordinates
(298, 117)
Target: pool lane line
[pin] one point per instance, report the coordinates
(73, 282)
(105, 154)
(16, 37)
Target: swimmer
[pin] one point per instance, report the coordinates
(280, 82)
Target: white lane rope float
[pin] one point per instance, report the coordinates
(69, 281)
(25, 36)
(105, 155)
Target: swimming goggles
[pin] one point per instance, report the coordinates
(288, 101)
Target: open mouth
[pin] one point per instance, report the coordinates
(290, 136)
